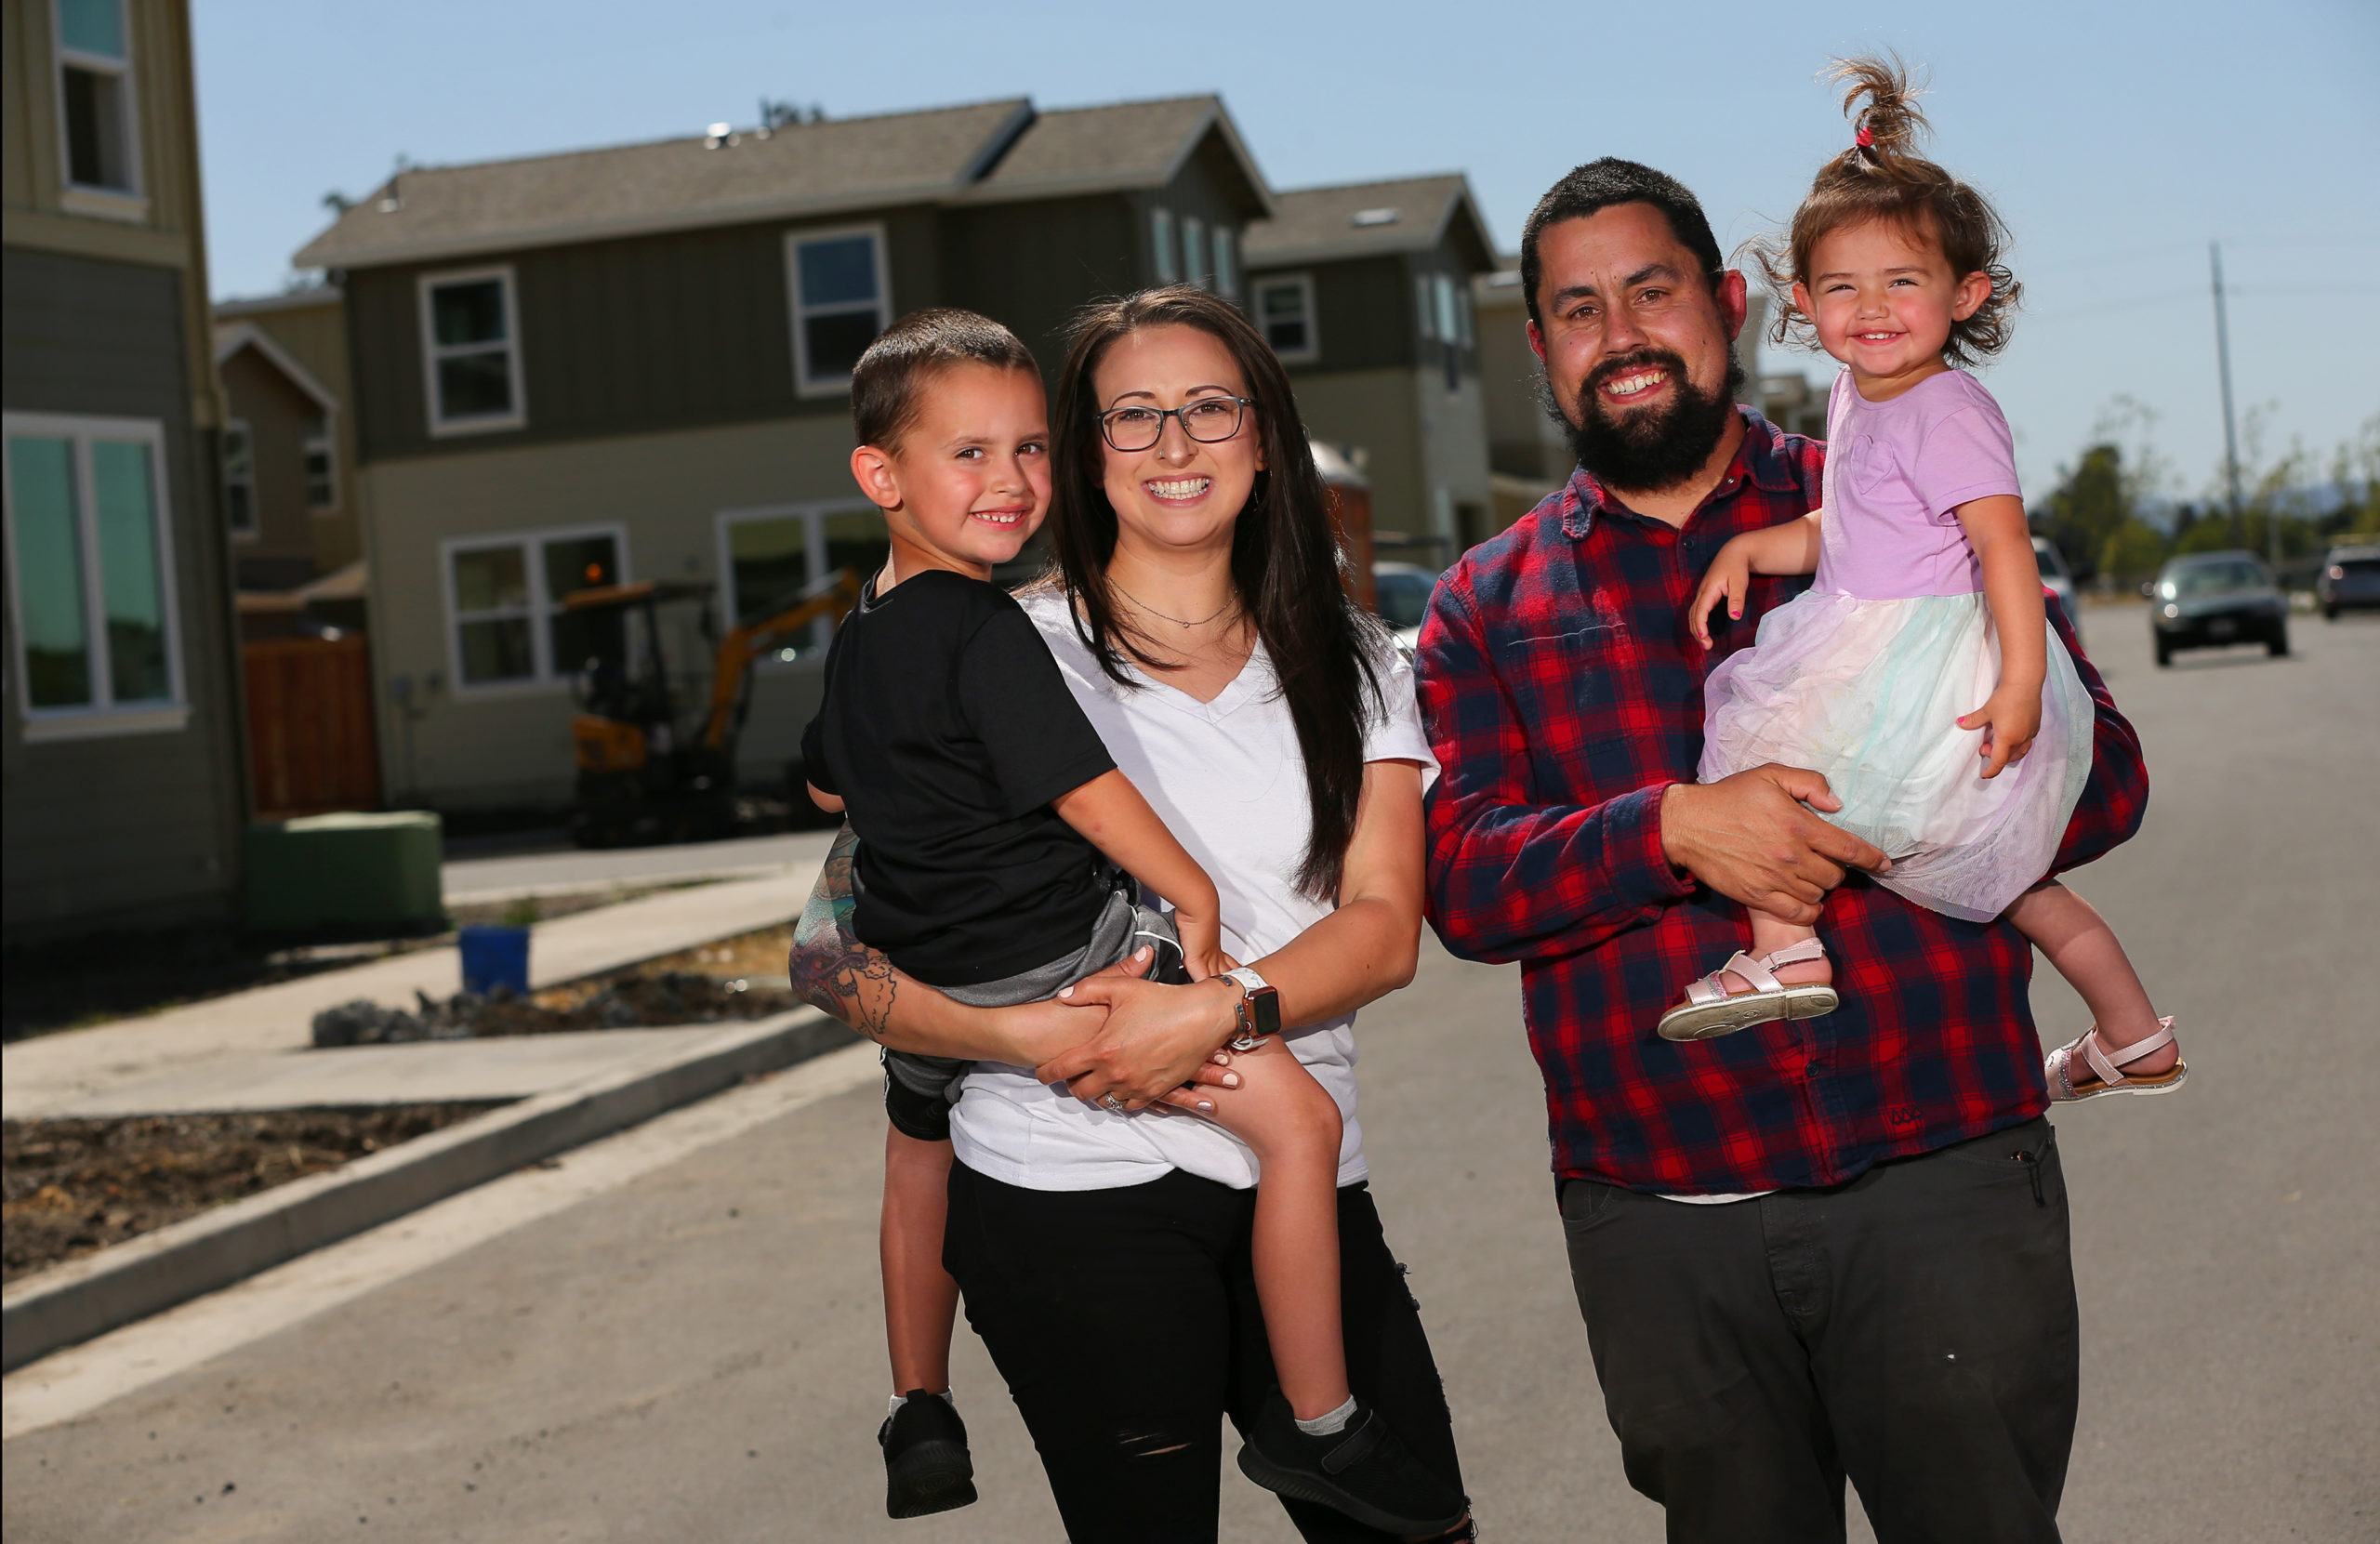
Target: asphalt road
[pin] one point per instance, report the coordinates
(696, 1355)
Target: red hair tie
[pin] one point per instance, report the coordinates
(1863, 138)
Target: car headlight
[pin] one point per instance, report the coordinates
(2336, 572)
(2172, 611)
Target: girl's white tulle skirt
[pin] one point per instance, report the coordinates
(1868, 694)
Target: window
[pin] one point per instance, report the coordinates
(94, 96)
(1285, 315)
(504, 597)
(1450, 327)
(1162, 242)
(90, 562)
(239, 479)
(1193, 251)
(470, 352)
(322, 465)
(1426, 304)
(1226, 275)
(840, 301)
(770, 555)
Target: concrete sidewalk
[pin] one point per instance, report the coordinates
(58, 1071)
(512, 877)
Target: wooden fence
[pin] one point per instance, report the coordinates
(311, 738)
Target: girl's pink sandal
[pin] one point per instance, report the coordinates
(2058, 1067)
(1711, 1010)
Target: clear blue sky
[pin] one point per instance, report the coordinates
(2117, 138)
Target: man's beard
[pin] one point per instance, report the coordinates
(1647, 452)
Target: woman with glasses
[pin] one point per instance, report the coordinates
(1099, 1227)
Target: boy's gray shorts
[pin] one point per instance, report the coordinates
(920, 1091)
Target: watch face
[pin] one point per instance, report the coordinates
(1266, 1007)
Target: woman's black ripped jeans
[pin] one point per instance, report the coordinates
(1154, 1280)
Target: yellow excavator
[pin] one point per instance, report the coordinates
(639, 779)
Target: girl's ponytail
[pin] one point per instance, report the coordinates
(1881, 177)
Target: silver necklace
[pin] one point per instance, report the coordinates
(1128, 595)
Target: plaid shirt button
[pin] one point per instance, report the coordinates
(1564, 696)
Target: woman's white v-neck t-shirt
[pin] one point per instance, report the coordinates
(1228, 780)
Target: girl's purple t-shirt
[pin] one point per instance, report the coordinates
(1898, 471)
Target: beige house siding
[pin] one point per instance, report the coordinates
(1416, 438)
(453, 747)
(311, 329)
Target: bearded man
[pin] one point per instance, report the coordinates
(1820, 1246)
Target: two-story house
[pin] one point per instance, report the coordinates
(1365, 291)
(635, 363)
(288, 441)
(120, 744)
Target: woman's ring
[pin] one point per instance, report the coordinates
(1115, 1105)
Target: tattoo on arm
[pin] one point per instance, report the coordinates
(832, 970)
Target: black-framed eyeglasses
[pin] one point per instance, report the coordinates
(1207, 420)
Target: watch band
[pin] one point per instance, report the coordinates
(1259, 1008)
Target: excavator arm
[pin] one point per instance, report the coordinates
(834, 595)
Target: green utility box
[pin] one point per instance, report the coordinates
(344, 872)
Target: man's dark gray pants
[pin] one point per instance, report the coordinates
(1914, 1329)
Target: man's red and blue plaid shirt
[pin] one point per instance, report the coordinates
(1563, 696)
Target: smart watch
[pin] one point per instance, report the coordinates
(1259, 1008)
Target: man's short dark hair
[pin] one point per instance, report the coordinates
(1597, 186)
(889, 382)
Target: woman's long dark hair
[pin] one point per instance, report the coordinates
(1285, 560)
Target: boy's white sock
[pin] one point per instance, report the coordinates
(1331, 1424)
(892, 1405)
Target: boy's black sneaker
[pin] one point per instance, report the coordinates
(1364, 1471)
(927, 1468)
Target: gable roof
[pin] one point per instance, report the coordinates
(248, 335)
(1370, 220)
(1119, 145)
(990, 152)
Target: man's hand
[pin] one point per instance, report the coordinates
(2010, 719)
(1749, 837)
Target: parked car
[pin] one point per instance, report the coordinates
(2060, 581)
(2209, 599)
(1401, 592)
(2349, 580)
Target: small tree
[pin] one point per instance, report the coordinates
(2132, 552)
(2085, 509)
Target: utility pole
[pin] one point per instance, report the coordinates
(2223, 359)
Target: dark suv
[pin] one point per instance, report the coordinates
(2350, 578)
(2209, 599)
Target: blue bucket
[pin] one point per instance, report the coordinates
(495, 955)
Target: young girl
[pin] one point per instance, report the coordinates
(1927, 600)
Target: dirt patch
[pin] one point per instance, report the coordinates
(741, 977)
(72, 1186)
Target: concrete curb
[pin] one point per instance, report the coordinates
(148, 1274)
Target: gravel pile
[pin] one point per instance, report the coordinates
(630, 1002)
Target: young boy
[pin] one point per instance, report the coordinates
(998, 841)
(998, 847)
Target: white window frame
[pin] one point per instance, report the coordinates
(328, 442)
(1168, 257)
(1193, 252)
(814, 513)
(441, 425)
(1450, 313)
(1226, 264)
(794, 241)
(247, 436)
(1304, 284)
(86, 198)
(540, 610)
(102, 717)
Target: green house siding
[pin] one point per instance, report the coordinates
(136, 830)
(1030, 265)
(623, 336)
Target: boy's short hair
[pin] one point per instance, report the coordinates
(888, 384)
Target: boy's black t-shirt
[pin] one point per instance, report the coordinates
(947, 732)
